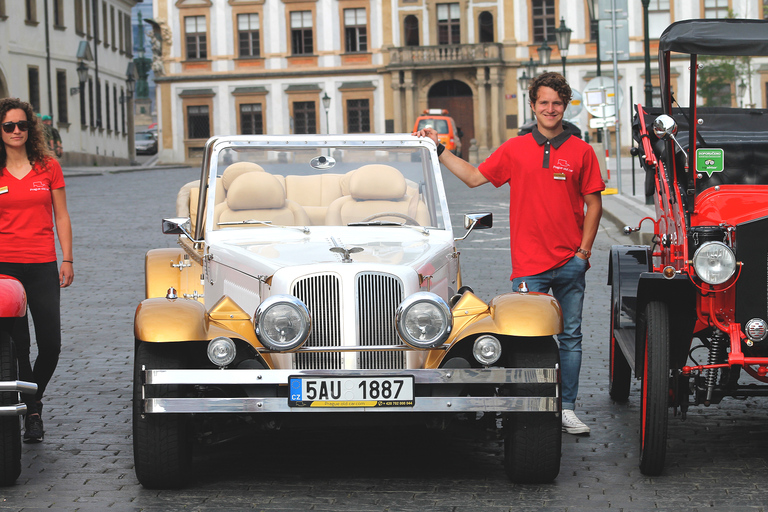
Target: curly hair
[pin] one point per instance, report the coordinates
(554, 81)
(38, 152)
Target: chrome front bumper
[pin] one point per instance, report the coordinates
(445, 376)
(17, 386)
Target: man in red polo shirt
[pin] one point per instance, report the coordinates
(552, 176)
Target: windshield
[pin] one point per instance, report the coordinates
(440, 125)
(325, 186)
(145, 136)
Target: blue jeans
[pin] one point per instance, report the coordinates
(567, 284)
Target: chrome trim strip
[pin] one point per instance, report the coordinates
(13, 410)
(438, 376)
(422, 404)
(355, 348)
(18, 385)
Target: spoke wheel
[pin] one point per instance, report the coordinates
(619, 371)
(10, 426)
(161, 442)
(654, 409)
(532, 440)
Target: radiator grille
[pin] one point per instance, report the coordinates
(378, 296)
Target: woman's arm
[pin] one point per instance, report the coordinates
(64, 233)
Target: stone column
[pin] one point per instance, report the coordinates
(496, 130)
(410, 103)
(397, 103)
(481, 128)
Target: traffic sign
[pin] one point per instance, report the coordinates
(600, 97)
(602, 122)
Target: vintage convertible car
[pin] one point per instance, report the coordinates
(316, 281)
(13, 304)
(689, 313)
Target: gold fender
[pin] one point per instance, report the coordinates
(159, 275)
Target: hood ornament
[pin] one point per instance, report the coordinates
(346, 252)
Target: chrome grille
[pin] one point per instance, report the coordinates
(378, 296)
(322, 296)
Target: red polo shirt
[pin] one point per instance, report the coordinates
(548, 179)
(26, 214)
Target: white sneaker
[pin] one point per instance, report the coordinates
(572, 424)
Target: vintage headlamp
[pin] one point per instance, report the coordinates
(424, 320)
(282, 323)
(714, 262)
(487, 350)
(221, 351)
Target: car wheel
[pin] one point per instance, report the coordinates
(619, 371)
(654, 405)
(10, 426)
(161, 447)
(532, 440)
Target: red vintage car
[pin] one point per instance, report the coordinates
(689, 312)
(13, 304)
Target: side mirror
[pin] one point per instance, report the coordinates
(664, 126)
(177, 226)
(474, 221)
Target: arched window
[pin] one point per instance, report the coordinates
(485, 24)
(411, 30)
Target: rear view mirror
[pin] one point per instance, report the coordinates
(474, 221)
(177, 226)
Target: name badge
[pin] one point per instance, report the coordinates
(559, 176)
(3, 190)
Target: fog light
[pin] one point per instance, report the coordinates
(487, 350)
(756, 329)
(221, 351)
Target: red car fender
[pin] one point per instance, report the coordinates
(13, 298)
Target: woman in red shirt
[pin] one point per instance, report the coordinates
(32, 196)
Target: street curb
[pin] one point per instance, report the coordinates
(628, 211)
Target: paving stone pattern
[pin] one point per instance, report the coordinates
(716, 458)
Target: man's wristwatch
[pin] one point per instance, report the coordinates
(585, 252)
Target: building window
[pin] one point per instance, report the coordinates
(485, 26)
(355, 30)
(358, 116)
(128, 36)
(411, 30)
(82, 104)
(58, 13)
(194, 30)
(304, 117)
(448, 26)
(33, 76)
(2, 8)
(79, 17)
(104, 26)
(251, 121)
(97, 89)
(92, 110)
(106, 105)
(112, 26)
(123, 101)
(659, 17)
(715, 8)
(114, 107)
(61, 96)
(30, 12)
(120, 24)
(543, 16)
(88, 18)
(301, 33)
(248, 35)
(198, 122)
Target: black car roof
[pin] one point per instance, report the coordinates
(716, 37)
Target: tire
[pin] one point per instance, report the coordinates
(10, 426)
(161, 446)
(532, 440)
(620, 373)
(654, 406)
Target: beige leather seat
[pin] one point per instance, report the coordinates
(377, 189)
(259, 196)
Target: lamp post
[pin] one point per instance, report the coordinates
(741, 89)
(647, 50)
(545, 51)
(82, 77)
(326, 105)
(524, 81)
(531, 67)
(130, 86)
(563, 36)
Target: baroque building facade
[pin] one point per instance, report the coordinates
(357, 66)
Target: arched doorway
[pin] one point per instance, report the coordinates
(455, 97)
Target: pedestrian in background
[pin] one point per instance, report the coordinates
(52, 136)
(32, 196)
(552, 176)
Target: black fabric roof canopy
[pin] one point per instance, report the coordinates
(716, 37)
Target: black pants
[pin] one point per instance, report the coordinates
(41, 282)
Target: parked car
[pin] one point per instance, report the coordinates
(689, 313)
(13, 304)
(319, 275)
(448, 134)
(146, 143)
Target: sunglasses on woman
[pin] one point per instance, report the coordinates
(9, 127)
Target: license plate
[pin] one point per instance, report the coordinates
(308, 391)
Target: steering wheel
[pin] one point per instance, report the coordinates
(408, 220)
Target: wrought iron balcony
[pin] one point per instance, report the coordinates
(452, 55)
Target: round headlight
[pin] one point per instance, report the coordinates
(756, 329)
(424, 320)
(714, 262)
(282, 323)
(221, 351)
(487, 350)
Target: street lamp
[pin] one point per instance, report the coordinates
(326, 105)
(524, 81)
(563, 35)
(545, 51)
(742, 89)
(82, 72)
